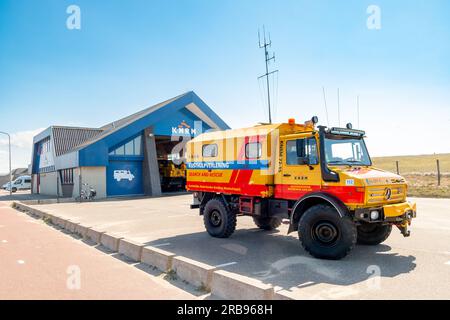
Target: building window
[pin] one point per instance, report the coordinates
(209, 150)
(44, 146)
(66, 176)
(130, 148)
(253, 150)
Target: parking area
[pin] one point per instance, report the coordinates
(401, 268)
(21, 195)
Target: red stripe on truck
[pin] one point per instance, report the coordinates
(347, 194)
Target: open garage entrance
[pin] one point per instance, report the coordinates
(172, 169)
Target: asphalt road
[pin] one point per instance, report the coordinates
(401, 268)
(39, 262)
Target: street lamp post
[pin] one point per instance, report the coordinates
(10, 172)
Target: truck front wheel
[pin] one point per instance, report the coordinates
(219, 221)
(267, 223)
(325, 234)
(372, 234)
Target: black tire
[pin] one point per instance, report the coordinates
(267, 223)
(373, 233)
(219, 221)
(14, 190)
(325, 234)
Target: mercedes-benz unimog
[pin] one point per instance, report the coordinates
(319, 180)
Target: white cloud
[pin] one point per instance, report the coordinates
(21, 146)
(21, 139)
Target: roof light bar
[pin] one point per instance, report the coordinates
(347, 132)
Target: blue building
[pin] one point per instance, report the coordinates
(122, 157)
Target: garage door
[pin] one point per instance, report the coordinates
(124, 178)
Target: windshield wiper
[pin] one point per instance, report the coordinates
(336, 162)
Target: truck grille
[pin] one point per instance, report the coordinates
(383, 194)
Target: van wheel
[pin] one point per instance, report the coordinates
(325, 234)
(372, 233)
(14, 190)
(267, 223)
(219, 221)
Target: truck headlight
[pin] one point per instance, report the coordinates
(374, 215)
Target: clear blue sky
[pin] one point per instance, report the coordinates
(132, 54)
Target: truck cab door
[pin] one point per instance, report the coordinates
(300, 170)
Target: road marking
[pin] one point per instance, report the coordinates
(161, 244)
(305, 284)
(225, 264)
(4, 241)
(236, 248)
(20, 261)
(448, 262)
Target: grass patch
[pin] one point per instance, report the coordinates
(202, 288)
(47, 220)
(170, 275)
(421, 173)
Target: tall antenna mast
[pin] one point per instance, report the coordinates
(325, 102)
(265, 45)
(339, 109)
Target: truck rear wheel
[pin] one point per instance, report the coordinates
(219, 221)
(325, 234)
(372, 233)
(267, 223)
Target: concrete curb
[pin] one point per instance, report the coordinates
(110, 241)
(81, 230)
(221, 283)
(158, 258)
(60, 222)
(196, 273)
(94, 235)
(71, 226)
(131, 249)
(233, 286)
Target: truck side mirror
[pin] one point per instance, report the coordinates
(300, 146)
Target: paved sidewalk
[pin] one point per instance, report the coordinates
(400, 268)
(40, 262)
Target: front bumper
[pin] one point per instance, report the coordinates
(399, 214)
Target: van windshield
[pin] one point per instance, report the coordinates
(342, 150)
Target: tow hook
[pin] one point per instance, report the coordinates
(405, 223)
(404, 229)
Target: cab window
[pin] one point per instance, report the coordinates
(301, 151)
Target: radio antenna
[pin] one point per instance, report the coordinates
(265, 44)
(339, 108)
(325, 103)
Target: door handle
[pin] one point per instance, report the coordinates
(286, 175)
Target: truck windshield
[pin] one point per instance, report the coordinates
(341, 150)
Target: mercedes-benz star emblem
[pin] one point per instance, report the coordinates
(387, 193)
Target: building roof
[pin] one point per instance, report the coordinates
(116, 125)
(65, 139)
(73, 139)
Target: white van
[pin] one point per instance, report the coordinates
(21, 183)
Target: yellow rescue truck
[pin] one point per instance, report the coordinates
(319, 180)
